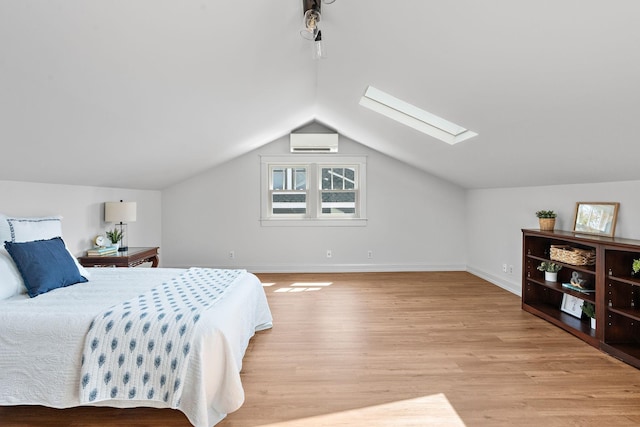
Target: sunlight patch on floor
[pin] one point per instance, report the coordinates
(313, 284)
(291, 290)
(304, 287)
(424, 411)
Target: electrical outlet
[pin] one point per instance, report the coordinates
(232, 254)
(369, 254)
(511, 269)
(329, 253)
(504, 268)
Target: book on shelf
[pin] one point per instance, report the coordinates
(578, 288)
(89, 253)
(105, 250)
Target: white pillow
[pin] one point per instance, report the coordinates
(10, 279)
(5, 233)
(30, 229)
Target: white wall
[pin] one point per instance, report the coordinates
(415, 221)
(82, 209)
(495, 218)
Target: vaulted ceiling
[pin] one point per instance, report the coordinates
(145, 93)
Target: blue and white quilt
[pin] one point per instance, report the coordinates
(139, 350)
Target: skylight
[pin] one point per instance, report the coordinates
(414, 117)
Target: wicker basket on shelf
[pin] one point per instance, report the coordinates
(573, 256)
(547, 224)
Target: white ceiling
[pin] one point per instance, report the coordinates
(145, 93)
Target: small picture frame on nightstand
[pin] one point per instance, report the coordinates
(572, 305)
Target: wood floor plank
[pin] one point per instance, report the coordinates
(402, 349)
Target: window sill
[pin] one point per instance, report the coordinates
(342, 222)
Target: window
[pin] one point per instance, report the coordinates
(313, 190)
(338, 190)
(417, 118)
(288, 190)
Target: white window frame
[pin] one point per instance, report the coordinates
(355, 190)
(314, 216)
(270, 190)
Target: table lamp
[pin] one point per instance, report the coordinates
(121, 213)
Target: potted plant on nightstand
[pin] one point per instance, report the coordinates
(589, 310)
(635, 268)
(550, 270)
(547, 220)
(115, 236)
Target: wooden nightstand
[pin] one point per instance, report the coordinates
(131, 258)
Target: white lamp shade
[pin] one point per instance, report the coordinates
(119, 211)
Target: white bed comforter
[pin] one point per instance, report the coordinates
(42, 338)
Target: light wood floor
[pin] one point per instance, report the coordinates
(402, 349)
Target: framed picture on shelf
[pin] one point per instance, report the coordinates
(596, 218)
(572, 305)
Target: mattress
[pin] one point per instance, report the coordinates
(42, 339)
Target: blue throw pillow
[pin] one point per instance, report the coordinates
(45, 265)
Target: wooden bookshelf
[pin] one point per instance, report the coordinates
(616, 296)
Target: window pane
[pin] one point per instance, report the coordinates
(338, 179)
(300, 179)
(349, 179)
(283, 178)
(338, 202)
(289, 203)
(338, 173)
(278, 179)
(326, 178)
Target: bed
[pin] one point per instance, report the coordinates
(44, 344)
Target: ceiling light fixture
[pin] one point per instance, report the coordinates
(414, 117)
(312, 10)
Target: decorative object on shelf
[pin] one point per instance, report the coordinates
(550, 270)
(578, 281)
(121, 213)
(115, 236)
(572, 305)
(635, 268)
(589, 310)
(596, 218)
(573, 256)
(99, 241)
(547, 220)
(578, 284)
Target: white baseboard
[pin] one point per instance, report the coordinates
(372, 268)
(356, 268)
(514, 288)
(340, 268)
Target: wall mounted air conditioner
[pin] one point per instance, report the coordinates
(314, 142)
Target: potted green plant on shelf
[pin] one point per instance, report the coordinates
(547, 220)
(589, 310)
(635, 268)
(550, 270)
(115, 236)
